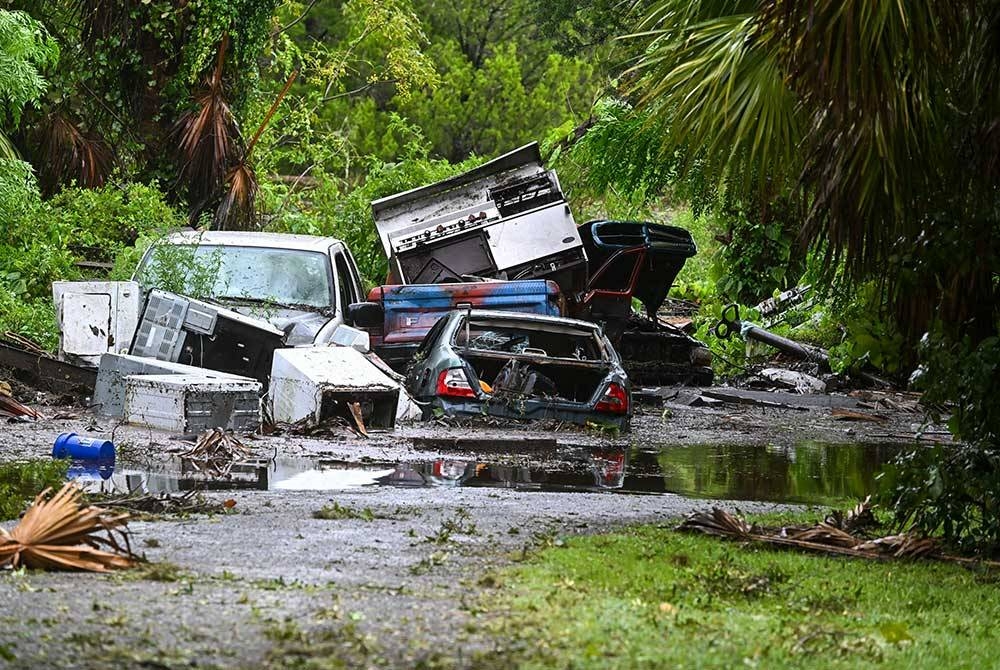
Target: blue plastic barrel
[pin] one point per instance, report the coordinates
(71, 445)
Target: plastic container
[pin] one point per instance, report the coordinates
(71, 445)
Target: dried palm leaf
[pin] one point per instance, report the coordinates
(208, 140)
(59, 533)
(238, 209)
(216, 451)
(904, 545)
(11, 407)
(823, 533)
(72, 155)
(716, 522)
(855, 519)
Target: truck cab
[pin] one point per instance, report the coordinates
(299, 283)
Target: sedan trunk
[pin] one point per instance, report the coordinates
(520, 376)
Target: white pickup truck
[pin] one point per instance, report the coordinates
(301, 284)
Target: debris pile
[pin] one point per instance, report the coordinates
(839, 534)
(215, 453)
(190, 502)
(60, 533)
(11, 408)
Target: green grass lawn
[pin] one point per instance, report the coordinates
(651, 597)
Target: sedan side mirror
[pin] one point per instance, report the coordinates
(365, 315)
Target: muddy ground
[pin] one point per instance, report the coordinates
(269, 585)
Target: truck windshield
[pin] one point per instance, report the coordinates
(280, 276)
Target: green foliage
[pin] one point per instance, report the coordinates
(330, 211)
(26, 49)
(21, 481)
(952, 490)
(43, 246)
(651, 597)
(965, 374)
(181, 269)
(759, 258)
(44, 243)
(336, 512)
(870, 334)
(490, 108)
(948, 490)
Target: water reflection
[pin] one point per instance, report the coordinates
(808, 472)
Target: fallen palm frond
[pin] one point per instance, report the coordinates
(216, 451)
(60, 533)
(824, 537)
(717, 522)
(855, 519)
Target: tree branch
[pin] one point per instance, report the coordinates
(301, 16)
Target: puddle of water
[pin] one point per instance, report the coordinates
(807, 473)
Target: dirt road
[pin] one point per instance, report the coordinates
(397, 584)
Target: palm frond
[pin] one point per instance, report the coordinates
(717, 522)
(208, 141)
(103, 19)
(722, 93)
(73, 155)
(238, 209)
(59, 533)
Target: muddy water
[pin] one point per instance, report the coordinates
(809, 472)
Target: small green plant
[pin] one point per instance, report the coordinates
(337, 511)
(21, 481)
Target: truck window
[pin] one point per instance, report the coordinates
(346, 283)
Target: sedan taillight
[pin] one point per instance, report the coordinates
(453, 383)
(614, 401)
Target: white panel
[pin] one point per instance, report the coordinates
(86, 319)
(533, 235)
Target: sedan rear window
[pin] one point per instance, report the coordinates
(526, 338)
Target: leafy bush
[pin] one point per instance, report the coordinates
(44, 244)
(34, 319)
(759, 257)
(948, 490)
(955, 490)
(20, 482)
(346, 213)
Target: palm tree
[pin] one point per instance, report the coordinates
(881, 117)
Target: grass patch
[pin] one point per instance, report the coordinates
(338, 511)
(21, 481)
(651, 597)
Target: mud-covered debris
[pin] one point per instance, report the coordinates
(798, 382)
(216, 452)
(841, 414)
(190, 502)
(10, 407)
